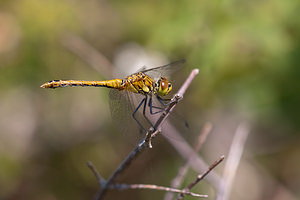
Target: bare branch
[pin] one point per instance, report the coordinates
(187, 83)
(201, 176)
(233, 161)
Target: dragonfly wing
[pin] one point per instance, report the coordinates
(164, 70)
(122, 106)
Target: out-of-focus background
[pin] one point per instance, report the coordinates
(247, 53)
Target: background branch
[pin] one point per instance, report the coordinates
(233, 161)
(88, 54)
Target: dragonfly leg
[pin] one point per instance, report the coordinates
(134, 112)
(144, 110)
(162, 101)
(156, 107)
(144, 101)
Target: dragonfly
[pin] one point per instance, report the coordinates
(140, 83)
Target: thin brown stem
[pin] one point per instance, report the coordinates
(201, 177)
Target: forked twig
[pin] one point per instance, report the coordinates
(146, 142)
(200, 177)
(141, 186)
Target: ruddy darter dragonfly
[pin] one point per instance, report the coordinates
(139, 83)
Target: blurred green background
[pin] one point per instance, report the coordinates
(247, 52)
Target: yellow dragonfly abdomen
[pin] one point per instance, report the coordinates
(115, 83)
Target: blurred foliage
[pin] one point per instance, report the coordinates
(248, 54)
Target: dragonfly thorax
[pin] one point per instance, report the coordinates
(141, 83)
(138, 83)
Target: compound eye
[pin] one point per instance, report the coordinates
(163, 85)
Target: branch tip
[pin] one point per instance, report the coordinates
(196, 71)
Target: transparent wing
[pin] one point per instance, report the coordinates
(164, 70)
(122, 106)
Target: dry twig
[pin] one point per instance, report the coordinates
(200, 177)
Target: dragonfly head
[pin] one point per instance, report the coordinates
(163, 86)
